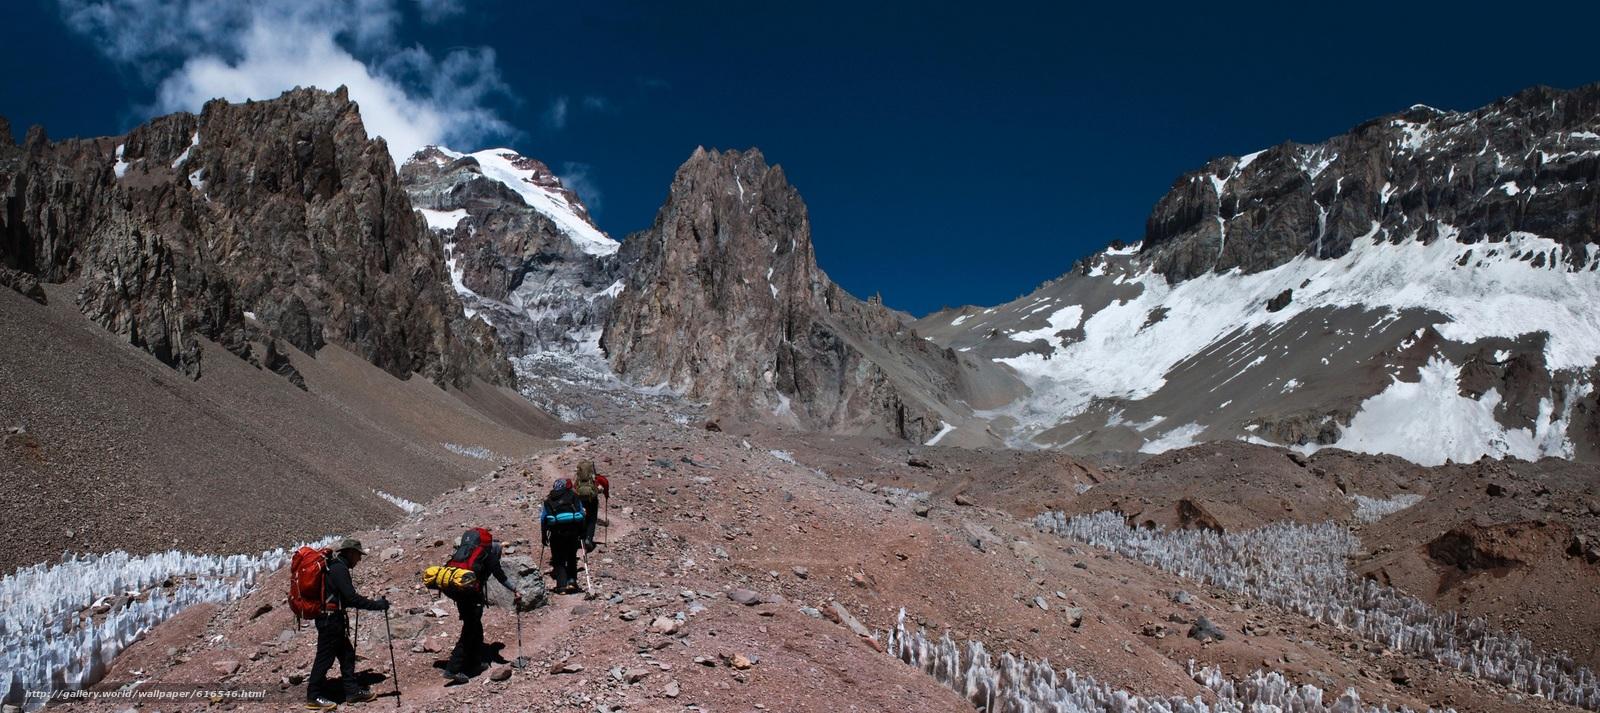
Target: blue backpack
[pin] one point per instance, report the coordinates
(562, 510)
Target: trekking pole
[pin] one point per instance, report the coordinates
(393, 670)
(522, 661)
(355, 636)
(588, 580)
(605, 517)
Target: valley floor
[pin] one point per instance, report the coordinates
(812, 526)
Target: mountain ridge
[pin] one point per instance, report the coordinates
(1428, 226)
(267, 220)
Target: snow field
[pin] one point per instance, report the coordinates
(1017, 685)
(1301, 568)
(62, 624)
(1429, 422)
(1483, 290)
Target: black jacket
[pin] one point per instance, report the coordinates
(489, 566)
(340, 589)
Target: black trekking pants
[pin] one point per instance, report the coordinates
(591, 518)
(564, 557)
(333, 643)
(467, 656)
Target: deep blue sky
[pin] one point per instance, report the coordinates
(950, 153)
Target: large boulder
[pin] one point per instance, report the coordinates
(525, 575)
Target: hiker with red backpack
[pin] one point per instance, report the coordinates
(321, 590)
(476, 559)
(561, 527)
(589, 486)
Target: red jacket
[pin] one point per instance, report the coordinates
(605, 485)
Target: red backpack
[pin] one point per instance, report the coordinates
(474, 543)
(308, 588)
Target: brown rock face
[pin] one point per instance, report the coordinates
(283, 208)
(724, 303)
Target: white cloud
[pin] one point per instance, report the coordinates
(196, 50)
(576, 176)
(557, 115)
(436, 10)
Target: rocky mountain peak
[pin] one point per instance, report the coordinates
(724, 303)
(272, 219)
(523, 253)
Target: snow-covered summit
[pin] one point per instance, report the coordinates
(539, 188)
(522, 252)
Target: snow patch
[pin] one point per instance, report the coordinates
(1429, 422)
(944, 430)
(193, 142)
(612, 292)
(1062, 319)
(478, 452)
(1152, 423)
(1180, 437)
(443, 219)
(1412, 135)
(498, 165)
(411, 508)
(1247, 159)
(1375, 509)
(120, 168)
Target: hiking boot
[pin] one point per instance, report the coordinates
(455, 679)
(320, 704)
(361, 696)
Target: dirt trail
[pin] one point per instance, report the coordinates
(542, 628)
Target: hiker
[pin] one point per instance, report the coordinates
(561, 523)
(479, 553)
(333, 641)
(589, 486)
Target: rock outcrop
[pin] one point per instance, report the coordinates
(521, 248)
(724, 302)
(1522, 164)
(282, 210)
